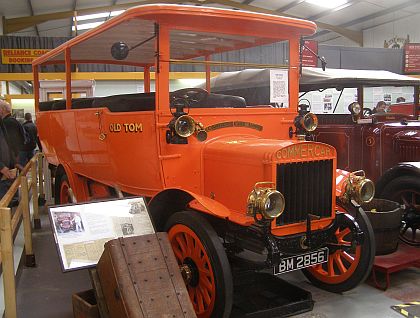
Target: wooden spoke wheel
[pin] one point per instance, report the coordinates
(349, 262)
(406, 190)
(62, 190)
(203, 263)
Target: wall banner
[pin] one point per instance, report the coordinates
(21, 56)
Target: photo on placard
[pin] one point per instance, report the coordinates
(66, 222)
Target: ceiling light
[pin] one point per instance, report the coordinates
(330, 4)
(114, 13)
(86, 26)
(98, 15)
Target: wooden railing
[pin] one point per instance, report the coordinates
(9, 225)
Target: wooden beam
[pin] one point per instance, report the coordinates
(100, 76)
(356, 36)
(17, 24)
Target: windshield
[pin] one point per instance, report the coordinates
(394, 99)
(241, 69)
(387, 99)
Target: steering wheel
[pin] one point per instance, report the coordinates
(193, 96)
(367, 112)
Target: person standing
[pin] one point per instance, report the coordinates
(7, 162)
(14, 129)
(28, 149)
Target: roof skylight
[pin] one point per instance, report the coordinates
(330, 4)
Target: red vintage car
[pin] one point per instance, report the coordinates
(385, 145)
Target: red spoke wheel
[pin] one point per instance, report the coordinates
(406, 190)
(348, 265)
(206, 269)
(62, 188)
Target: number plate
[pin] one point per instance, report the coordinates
(293, 263)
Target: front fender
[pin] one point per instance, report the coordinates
(401, 169)
(170, 201)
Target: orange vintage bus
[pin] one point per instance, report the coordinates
(228, 182)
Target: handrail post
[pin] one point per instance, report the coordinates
(41, 180)
(37, 220)
(47, 180)
(9, 284)
(27, 230)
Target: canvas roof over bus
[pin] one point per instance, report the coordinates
(196, 31)
(313, 78)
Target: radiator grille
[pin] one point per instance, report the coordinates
(306, 187)
(408, 152)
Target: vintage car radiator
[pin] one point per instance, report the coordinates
(307, 188)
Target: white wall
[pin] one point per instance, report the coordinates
(28, 105)
(375, 37)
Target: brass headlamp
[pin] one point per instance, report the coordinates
(358, 187)
(266, 201)
(309, 122)
(305, 122)
(184, 126)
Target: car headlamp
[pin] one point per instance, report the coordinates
(266, 201)
(309, 122)
(184, 126)
(358, 188)
(355, 108)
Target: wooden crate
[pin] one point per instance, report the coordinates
(84, 305)
(140, 277)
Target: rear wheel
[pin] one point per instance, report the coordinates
(204, 263)
(350, 261)
(62, 190)
(406, 190)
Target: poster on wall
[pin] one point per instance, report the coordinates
(308, 58)
(279, 87)
(328, 103)
(412, 58)
(81, 230)
(18, 114)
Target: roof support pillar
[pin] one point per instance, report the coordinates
(162, 67)
(147, 79)
(67, 60)
(207, 58)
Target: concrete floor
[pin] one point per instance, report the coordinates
(45, 292)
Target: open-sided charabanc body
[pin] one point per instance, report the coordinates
(225, 180)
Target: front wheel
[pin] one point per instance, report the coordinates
(203, 261)
(348, 264)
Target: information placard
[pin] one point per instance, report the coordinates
(279, 87)
(412, 58)
(81, 230)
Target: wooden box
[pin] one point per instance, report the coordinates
(84, 305)
(140, 277)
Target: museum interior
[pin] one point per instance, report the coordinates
(209, 158)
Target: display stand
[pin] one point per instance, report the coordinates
(265, 295)
(406, 256)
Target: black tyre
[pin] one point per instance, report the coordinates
(197, 246)
(349, 266)
(406, 190)
(61, 193)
